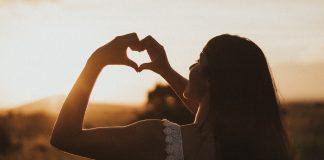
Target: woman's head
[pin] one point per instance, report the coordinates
(235, 64)
(197, 87)
(242, 105)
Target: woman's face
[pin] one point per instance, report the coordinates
(198, 84)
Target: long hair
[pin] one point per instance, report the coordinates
(244, 110)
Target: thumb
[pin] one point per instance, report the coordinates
(132, 64)
(145, 66)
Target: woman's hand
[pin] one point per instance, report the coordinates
(115, 52)
(160, 63)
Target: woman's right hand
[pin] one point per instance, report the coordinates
(159, 61)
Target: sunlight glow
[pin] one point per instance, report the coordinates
(45, 44)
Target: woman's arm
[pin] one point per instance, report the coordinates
(70, 119)
(69, 122)
(161, 65)
(113, 142)
(178, 83)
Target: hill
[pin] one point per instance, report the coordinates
(97, 114)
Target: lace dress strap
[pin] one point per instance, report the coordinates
(173, 139)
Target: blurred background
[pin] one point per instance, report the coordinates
(44, 45)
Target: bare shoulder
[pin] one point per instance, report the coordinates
(147, 123)
(150, 137)
(149, 126)
(191, 140)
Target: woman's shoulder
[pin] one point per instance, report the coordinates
(149, 142)
(159, 128)
(164, 133)
(158, 124)
(198, 142)
(152, 127)
(147, 123)
(167, 138)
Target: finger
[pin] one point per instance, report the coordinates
(131, 40)
(150, 42)
(132, 64)
(152, 47)
(147, 42)
(145, 66)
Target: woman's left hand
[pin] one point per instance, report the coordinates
(114, 52)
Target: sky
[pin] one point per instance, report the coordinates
(44, 44)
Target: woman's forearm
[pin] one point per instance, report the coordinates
(178, 83)
(70, 119)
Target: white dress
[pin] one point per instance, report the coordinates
(173, 139)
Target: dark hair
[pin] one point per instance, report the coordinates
(244, 110)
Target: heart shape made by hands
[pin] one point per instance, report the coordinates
(138, 57)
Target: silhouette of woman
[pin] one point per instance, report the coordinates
(230, 91)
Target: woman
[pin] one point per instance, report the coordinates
(230, 92)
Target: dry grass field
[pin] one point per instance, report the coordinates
(25, 130)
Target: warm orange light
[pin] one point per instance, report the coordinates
(44, 45)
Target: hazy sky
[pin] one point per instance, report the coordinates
(45, 44)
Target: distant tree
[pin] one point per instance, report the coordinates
(164, 103)
(5, 141)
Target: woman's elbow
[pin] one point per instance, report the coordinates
(57, 142)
